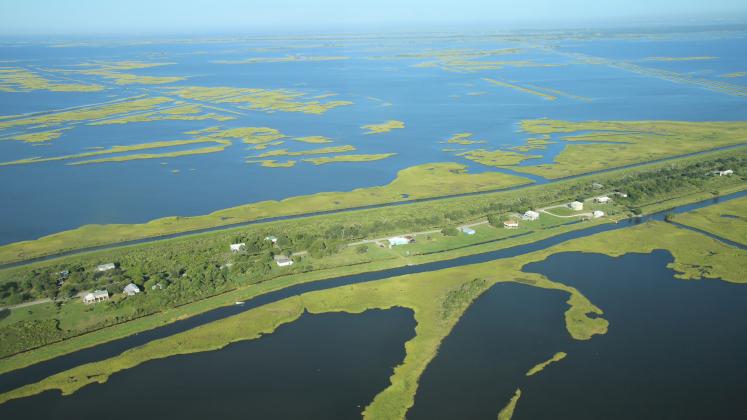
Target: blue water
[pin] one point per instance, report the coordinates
(44, 198)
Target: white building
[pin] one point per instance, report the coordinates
(283, 261)
(131, 289)
(622, 194)
(530, 215)
(96, 296)
(727, 172)
(603, 199)
(106, 267)
(467, 231)
(398, 240)
(272, 239)
(238, 247)
(576, 206)
(511, 224)
(597, 214)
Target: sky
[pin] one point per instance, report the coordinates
(30, 17)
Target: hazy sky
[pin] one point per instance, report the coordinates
(184, 16)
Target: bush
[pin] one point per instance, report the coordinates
(450, 231)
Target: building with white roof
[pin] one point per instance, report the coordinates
(576, 205)
(530, 215)
(96, 296)
(131, 289)
(238, 247)
(282, 261)
(106, 267)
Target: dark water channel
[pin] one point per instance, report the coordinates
(327, 366)
(674, 350)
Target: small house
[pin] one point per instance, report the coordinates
(96, 296)
(467, 231)
(398, 240)
(603, 199)
(283, 261)
(727, 172)
(131, 289)
(106, 267)
(511, 224)
(597, 186)
(597, 214)
(530, 215)
(621, 194)
(272, 239)
(576, 206)
(238, 247)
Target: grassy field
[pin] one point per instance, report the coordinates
(88, 114)
(17, 79)
(348, 158)
(465, 139)
(497, 158)
(541, 366)
(632, 142)
(384, 127)
(320, 151)
(508, 411)
(727, 220)
(39, 137)
(222, 144)
(284, 100)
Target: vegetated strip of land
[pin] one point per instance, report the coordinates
(417, 182)
(191, 269)
(727, 220)
(438, 299)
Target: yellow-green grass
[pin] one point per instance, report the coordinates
(520, 88)
(222, 144)
(88, 113)
(179, 113)
(634, 142)
(250, 135)
(313, 139)
(429, 180)
(286, 59)
(463, 139)
(348, 158)
(541, 366)
(320, 151)
(16, 79)
(38, 137)
(384, 127)
(536, 143)
(114, 72)
(270, 163)
(497, 158)
(727, 220)
(266, 100)
(735, 74)
(508, 411)
(694, 58)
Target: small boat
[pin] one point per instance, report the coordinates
(238, 302)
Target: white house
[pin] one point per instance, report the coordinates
(597, 214)
(96, 296)
(511, 224)
(398, 240)
(238, 247)
(106, 267)
(576, 206)
(603, 199)
(466, 230)
(622, 194)
(727, 172)
(530, 215)
(283, 261)
(131, 289)
(272, 239)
